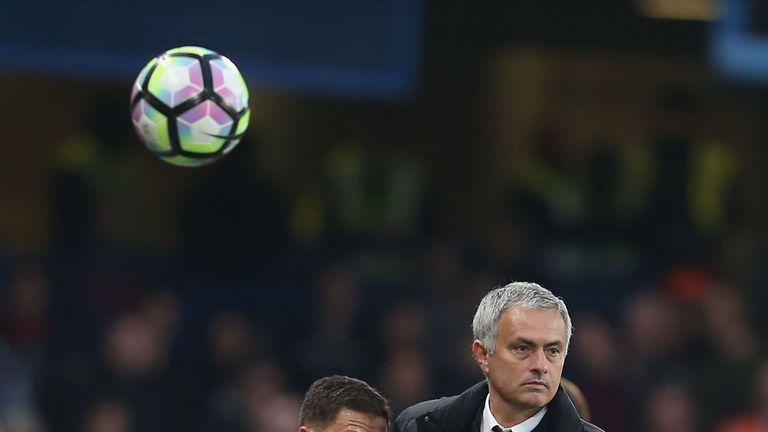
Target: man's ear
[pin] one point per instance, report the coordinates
(305, 429)
(481, 355)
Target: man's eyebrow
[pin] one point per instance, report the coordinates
(526, 341)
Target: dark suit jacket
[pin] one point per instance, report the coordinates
(462, 413)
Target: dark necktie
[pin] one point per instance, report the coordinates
(498, 428)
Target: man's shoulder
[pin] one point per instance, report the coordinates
(563, 416)
(451, 410)
(589, 427)
(423, 408)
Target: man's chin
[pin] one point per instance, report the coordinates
(536, 398)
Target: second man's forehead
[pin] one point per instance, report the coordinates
(348, 420)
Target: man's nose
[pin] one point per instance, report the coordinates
(539, 362)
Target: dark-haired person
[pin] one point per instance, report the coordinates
(342, 404)
(577, 397)
(522, 332)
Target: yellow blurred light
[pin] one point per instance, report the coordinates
(688, 10)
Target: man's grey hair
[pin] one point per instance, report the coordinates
(523, 295)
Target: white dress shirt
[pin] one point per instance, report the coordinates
(489, 421)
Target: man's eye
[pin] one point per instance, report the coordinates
(554, 351)
(521, 348)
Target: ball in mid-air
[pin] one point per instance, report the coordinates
(189, 106)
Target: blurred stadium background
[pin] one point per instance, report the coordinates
(403, 158)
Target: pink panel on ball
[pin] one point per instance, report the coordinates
(196, 113)
(219, 115)
(137, 112)
(206, 108)
(196, 75)
(184, 94)
(229, 97)
(217, 74)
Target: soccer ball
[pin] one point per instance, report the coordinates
(189, 106)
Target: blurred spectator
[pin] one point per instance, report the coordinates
(133, 347)
(754, 419)
(577, 397)
(458, 370)
(24, 316)
(134, 371)
(444, 278)
(670, 407)
(108, 416)
(692, 202)
(229, 345)
(566, 197)
(568, 189)
(552, 183)
(242, 404)
(130, 365)
(92, 289)
(232, 345)
(374, 194)
(601, 372)
(655, 337)
(276, 414)
(732, 345)
(404, 327)
(505, 244)
(161, 309)
(334, 338)
(443, 269)
(21, 421)
(406, 378)
(18, 409)
(99, 199)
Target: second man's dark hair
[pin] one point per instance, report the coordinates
(327, 396)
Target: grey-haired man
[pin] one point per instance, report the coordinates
(522, 332)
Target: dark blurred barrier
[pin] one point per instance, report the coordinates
(342, 47)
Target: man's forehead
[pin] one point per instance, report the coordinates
(349, 420)
(527, 313)
(534, 321)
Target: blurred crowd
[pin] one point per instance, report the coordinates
(354, 268)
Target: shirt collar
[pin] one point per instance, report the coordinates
(489, 421)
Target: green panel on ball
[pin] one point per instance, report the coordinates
(162, 141)
(185, 161)
(243, 124)
(152, 127)
(203, 147)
